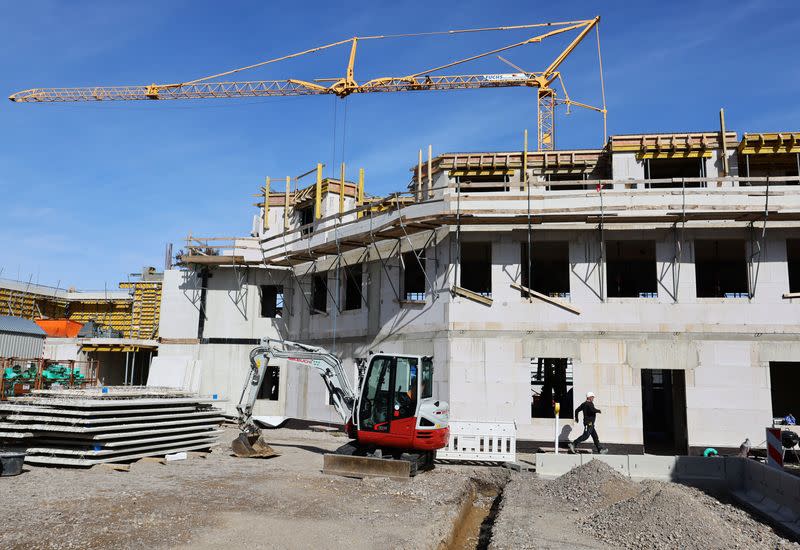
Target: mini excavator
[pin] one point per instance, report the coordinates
(393, 420)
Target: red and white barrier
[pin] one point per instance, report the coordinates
(774, 448)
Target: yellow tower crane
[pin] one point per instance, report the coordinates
(212, 87)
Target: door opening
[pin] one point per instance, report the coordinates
(664, 412)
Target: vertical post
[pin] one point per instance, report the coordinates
(125, 383)
(341, 191)
(286, 203)
(557, 409)
(725, 167)
(266, 204)
(524, 175)
(318, 193)
(133, 366)
(360, 190)
(430, 171)
(419, 177)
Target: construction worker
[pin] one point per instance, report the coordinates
(589, 414)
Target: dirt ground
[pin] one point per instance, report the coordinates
(286, 502)
(219, 501)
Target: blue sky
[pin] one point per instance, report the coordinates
(92, 192)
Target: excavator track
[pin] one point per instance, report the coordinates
(350, 461)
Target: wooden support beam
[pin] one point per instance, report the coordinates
(341, 192)
(418, 195)
(524, 175)
(545, 298)
(318, 193)
(360, 199)
(286, 203)
(430, 171)
(790, 295)
(266, 204)
(470, 295)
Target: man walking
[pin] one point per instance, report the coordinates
(590, 412)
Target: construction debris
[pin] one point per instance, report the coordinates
(593, 506)
(669, 515)
(84, 427)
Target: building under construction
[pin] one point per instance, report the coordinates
(659, 272)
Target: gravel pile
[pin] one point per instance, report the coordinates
(667, 515)
(591, 485)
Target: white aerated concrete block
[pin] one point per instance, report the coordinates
(652, 467)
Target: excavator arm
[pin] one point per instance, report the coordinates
(329, 367)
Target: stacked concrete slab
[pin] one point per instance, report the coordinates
(84, 427)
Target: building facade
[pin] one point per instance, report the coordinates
(660, 272)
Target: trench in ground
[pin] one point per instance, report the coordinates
(472, 528)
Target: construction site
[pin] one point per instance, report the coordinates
(355, 362)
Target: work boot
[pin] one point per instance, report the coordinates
(571, 447)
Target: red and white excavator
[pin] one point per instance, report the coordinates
(393, 415)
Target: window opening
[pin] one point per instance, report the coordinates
(551, 382)
(476, 268)
(774, 165)
(272, 301)
(721, 268)
(483, 184)
(319, 293)
(305, 216)
(352, 288)
(549, 268)
(269, 389)
(793, 263)
(784, 379)
(568, 177)
(656, 169)
(413, 276)
(631, 269)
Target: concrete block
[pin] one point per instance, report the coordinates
(754, 476)
(699, 468)
(551, 465)
(651, 466)
(734, 472)
(618, 462)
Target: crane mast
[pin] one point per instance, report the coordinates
(425, 80)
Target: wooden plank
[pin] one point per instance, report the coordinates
(790, 295)
(470, 295)
(548, 299)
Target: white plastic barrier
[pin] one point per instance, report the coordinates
(486, 441)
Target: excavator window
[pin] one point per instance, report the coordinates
(374, 409)
(405, 398)
(426, 380)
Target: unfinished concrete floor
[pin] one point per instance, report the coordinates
(223, 501)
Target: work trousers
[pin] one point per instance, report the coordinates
(588, 430)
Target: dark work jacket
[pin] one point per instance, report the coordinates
(589, 412)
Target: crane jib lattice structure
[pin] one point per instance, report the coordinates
(212, 87)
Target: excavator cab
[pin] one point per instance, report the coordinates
(396, 408)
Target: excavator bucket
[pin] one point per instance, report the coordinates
(252, 446)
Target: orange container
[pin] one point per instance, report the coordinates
(60, 328)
